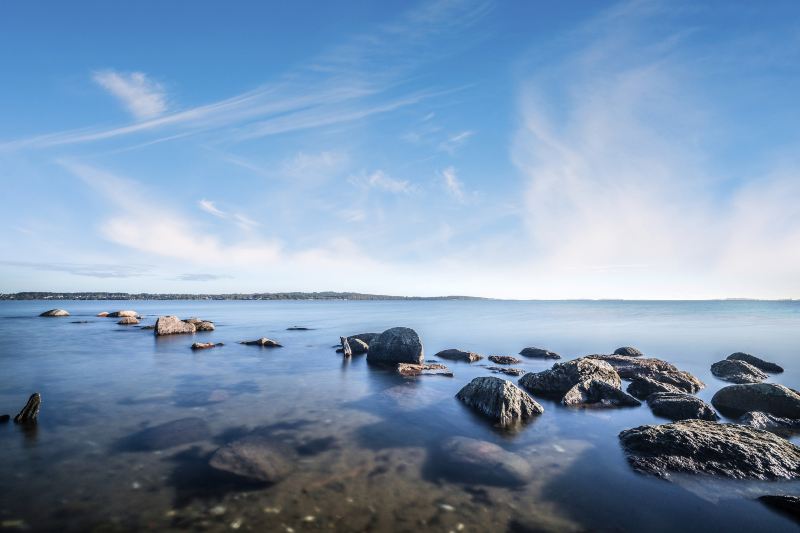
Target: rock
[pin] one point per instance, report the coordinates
(172, 325)
(647, 367)
(205, 345)
(263, 342)
(499, 400)
(596, 393)
(253, 458)
(366, 338)
(102, 314)
(55, 313)
(128, 321)
(454, 354)
(703, 447)
(357, 346)
(630, 351)
(737, 371)
(79, 322)
(4, 418)
(170, 434)
(123, 314)
(504, 360)
(298, 328)
(643, 387)
(30, 412)
(204, 326)
(563, 376)
(506, 370)
(680, 406)
(193, 320)
(756, 362)
(148, 327)
(539, 353)
(477, 461)
(785, 427)
(410, 369)
(396, 345)
(770, 398)
(788, 505)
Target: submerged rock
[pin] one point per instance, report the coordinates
(504, 360)
(597, 393)
(563, 376)
(756, 362)
(770, 398)
(630, 351)
(123, 314)
(298, 328)
(539, 353)
(172, 325)
(149, 327)
(55, 313)
(430, 369)
(703, 447)
(499, 400)
(643, 387)
(454, 354)
(396, 345)
(506, 370)
(680, 406)
(477, 461)
(788, 505)
(205, 345)
(263, 342)
(128, 321)
(170, 434)
(30, 413)
(737, 371)
(648, 367)
(785, 427)
(254, 458)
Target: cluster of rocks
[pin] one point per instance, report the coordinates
(172, 325)
(744, 368)
(263, 342)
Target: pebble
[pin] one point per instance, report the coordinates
(446, 507)
(136, 485)
(272, 510)
(309, 518)
(236, 524)
(217, 510)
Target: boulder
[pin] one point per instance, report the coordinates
(477, 461)
(128, 321)
(737, 371)
(630, 351)
(596, 393)
(647, 367)
(504, 360)
(30, 413)
(169, 434)
(429, 369)
(499, 400)
(505, 370)
(563, 376)
(454, 354)
(172, 325)
(55, 313)
(770, 398)
(205, 325)
(680, 406)
(102, 314)
(396, 345)
(539, 353)
(703, 447)
(263, 342)
(643, 387)
(205, 345)
(123, 314)
(788, 505)
(757, 362)
(785, 427)
(357, 346)
(254, 458)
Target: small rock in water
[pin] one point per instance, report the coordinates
(4, 418)
(205, 345)
(123, 314)
(680, 406)
(477, 461)
(756, 362)
(298, 328)
(454, 354)
(499, 400)
(55, 313)
(409, 369)
(630, 351)
(170, 434)
(30, 412)
(205, 325)
(79, 322)
(504, 360)
(128, 321)
(172, 325)
(737, 371)
(505, 370)
(539, 353)
(785, 427)
(148, 327)
(102, 314)
(254, 458)
(788, 505)
(771, 398)
(263, 342)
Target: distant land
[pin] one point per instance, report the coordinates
(326, 295)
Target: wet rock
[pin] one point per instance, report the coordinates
(757, 362)
(770, 398)
(563, 376)
(298, 328)
(204, 326)
(477, 461)
(630, 351)
(172, 325)
(435, 369)
(597, 393)
(504, 360)
(366, 338)
(128, 321)
(254, 458)
(788, 505)
(785, 427)
(55, 313)
(643, 387)
(703, 447)
(205, 345)
(4, 418)
(123, 314)
(505, 370)
(263, 342)
(193, 320)
(396, 345)
(30, 412)
(102, 314)
(647, 367)
(169, 434)
(539, 353)
(454, 354)
(149, 327)
(79, 322)
(357, 346)
(499, 400)
(737, 371)
(680, 406)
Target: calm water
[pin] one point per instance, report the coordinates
(365, 440)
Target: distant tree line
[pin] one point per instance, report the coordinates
(325, 295)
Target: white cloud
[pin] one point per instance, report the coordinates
(452, 184)
(143, 97)
(209, 207)
(454, 142)
(244, 222)
(380, 180)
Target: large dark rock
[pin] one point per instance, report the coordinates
(499, 400)
(396, 345)
(55, 313)
(172, 325)
(737, 371)
(770, 398)
(643, 387)
(596, 393)
(563, 376)
(630, 351)
(476, 461)
(30, 413)
(254, 458)
(647, 367)
(785, 427)
(504, 360)
(756, 362)
(788, 505)
(680, 406)
(539, 353)
(703, 447)
(459, 355)
(169, 434)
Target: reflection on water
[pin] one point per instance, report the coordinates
(129, 422)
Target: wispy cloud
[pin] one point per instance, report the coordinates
(141, 96)
(452, 184)
(92, 270)
(209, 207)
(454, 142)
(382, 181)
(201, 277)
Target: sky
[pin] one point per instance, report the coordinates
(514, 149)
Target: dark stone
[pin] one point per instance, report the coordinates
(172, 325)
(254, 458)
(30, 412)
(205, 345)
(505, 370)
(680, 406)
(630, 351)
(539, 353)
(499, 400)
(770, 398)
(55, 313)
(788, 505)
(459, 355)
(737, 371)
(597, 393)
(263, 342)
(4, 418)
(643, 387)
(435, 369)
(703, 447)
(563, 376)
(504, 360)
(477, 461)
(396, 345)
(298, 328)
(757, 362)
(785, 427)
(170, 434)
(647, 367)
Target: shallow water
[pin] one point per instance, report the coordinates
(364, 441)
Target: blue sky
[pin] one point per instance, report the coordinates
(505, 149)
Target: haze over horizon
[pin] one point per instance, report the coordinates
(624, 150)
